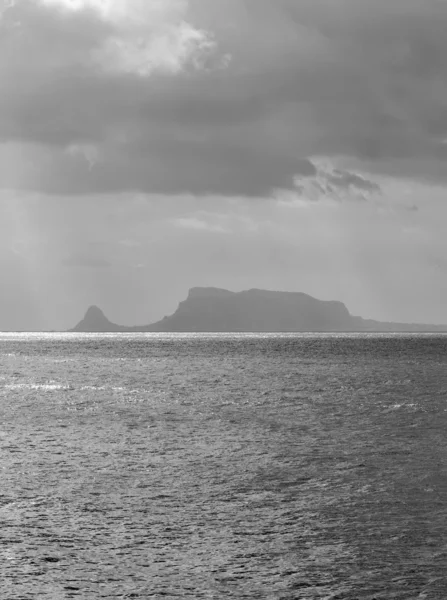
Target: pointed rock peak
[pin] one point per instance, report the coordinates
(95, 321)
(94, 312)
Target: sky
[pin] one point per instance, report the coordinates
(150, 146)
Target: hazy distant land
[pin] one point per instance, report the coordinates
(218, 310)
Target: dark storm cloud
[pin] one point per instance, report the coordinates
(170, 169)
(360, 78)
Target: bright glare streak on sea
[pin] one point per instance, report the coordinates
(223, 466)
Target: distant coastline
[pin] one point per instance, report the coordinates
(217, 310)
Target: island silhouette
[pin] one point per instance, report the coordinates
(215, 310)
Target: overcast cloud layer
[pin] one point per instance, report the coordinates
(219, 96)
(255, 127)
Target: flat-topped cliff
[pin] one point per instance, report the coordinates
(208, 309)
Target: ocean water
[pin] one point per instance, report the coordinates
(223, 466)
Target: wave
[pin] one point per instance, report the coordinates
(47, 387)
(56, 387)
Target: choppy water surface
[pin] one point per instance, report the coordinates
(291, 467)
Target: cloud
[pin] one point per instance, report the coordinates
(123, 13)
(81, 260)
(7, 4)
(142, 82)
(232, 222)
(169, 52)
(88, 152)
(198, 224)
(336, 184)
(142, 36)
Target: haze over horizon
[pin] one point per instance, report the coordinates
(148, 147)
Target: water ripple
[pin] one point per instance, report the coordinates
(291, 467)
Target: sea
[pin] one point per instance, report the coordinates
(221, 466)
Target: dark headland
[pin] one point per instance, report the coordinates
(217, 310)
